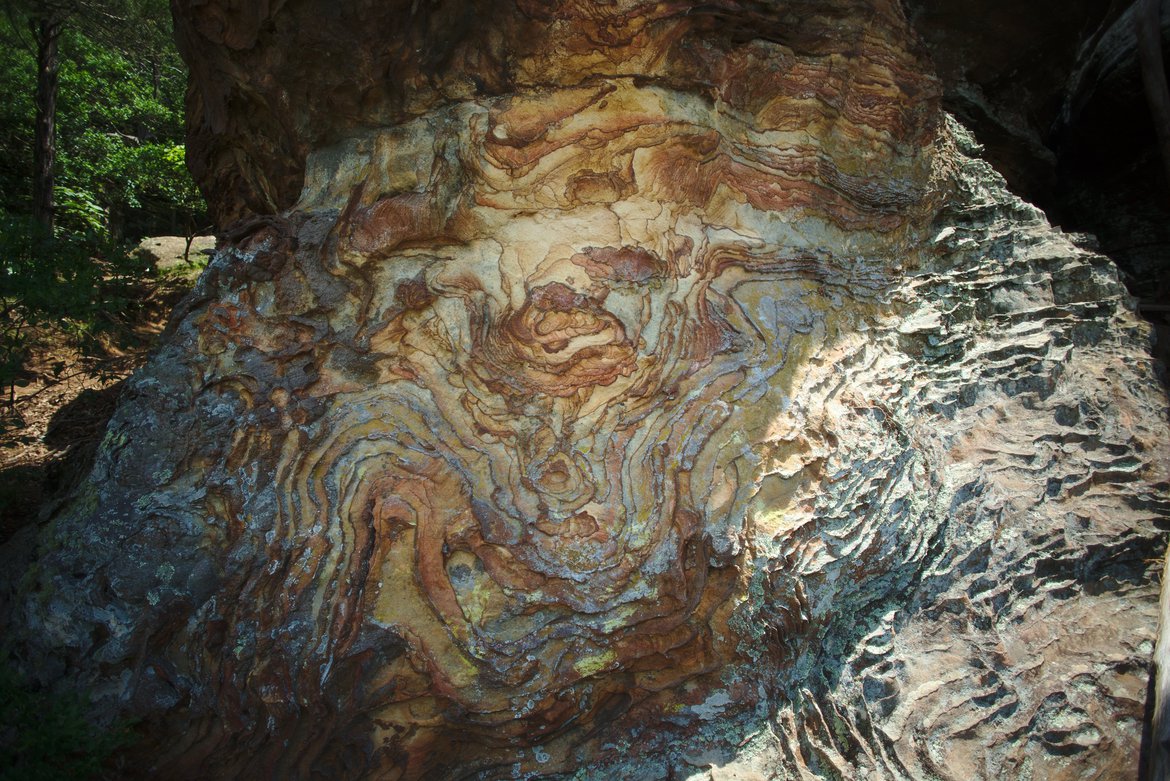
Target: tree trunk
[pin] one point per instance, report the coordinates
(46, 30)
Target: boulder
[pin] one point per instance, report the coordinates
(627, 390)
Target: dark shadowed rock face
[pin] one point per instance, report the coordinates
(1054, 90)
(613, 389)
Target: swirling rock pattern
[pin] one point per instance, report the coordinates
(683, 384)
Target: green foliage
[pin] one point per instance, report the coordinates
(17, 112)
(73, 288)
(120, 171)
(120, 168)
(44, 738)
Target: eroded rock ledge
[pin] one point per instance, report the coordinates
(681, 393)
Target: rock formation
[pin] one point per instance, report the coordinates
(1055, 91)
(619, 389)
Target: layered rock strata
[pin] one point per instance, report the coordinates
(632, 389)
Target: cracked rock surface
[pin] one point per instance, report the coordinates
(685, 398)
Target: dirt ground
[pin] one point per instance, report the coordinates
(50, 430)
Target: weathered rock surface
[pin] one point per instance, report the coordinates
(682, 394)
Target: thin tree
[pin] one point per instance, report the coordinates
(46, 31)
(122, 23)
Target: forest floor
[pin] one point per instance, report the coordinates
(50, 427)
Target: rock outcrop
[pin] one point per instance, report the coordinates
(613, 389)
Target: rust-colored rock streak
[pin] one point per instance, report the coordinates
(607, 373)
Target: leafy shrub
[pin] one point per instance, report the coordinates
(71, 288)
(47, 738)
(120, 169)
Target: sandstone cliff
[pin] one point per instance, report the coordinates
(627, 390)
